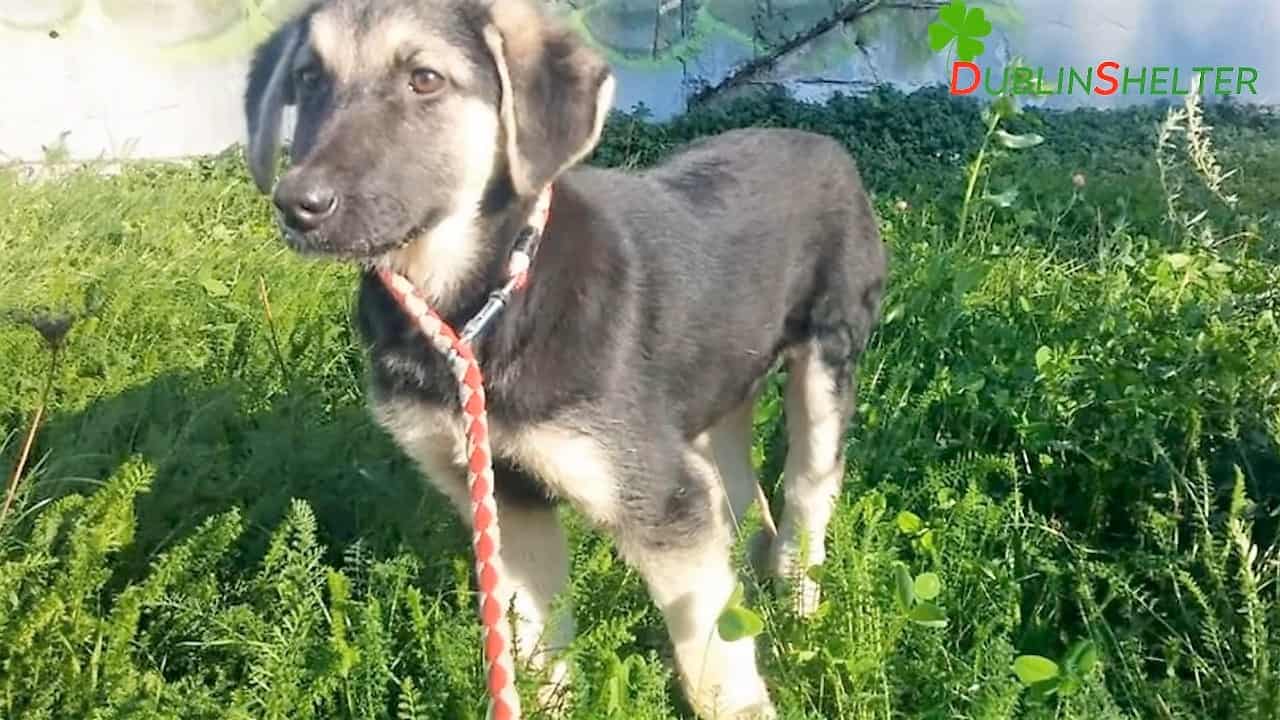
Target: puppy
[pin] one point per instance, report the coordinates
(622, 379)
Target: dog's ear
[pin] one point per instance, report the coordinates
(556, 93)
(269, 90)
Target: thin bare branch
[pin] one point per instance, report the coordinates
(657, 25)
(849, 13)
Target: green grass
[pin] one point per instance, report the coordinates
(1070, 417)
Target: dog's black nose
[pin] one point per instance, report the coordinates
(305, 203)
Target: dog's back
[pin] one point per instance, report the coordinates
(749, 242)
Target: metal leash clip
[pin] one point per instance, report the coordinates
(522, 253)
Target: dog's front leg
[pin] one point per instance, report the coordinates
(535, 560)
(535, 563)
(533, 550)
(679, 541)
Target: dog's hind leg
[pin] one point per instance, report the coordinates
(728, 445)
(820, 394)
(818, 403)
(679, 540)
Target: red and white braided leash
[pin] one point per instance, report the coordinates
(504, 702)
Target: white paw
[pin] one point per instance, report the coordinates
(719, 707)
(808, 595)
(555, 691)
(756, 712)
(805, 593)
(735, 692)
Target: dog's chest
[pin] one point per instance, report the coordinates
(560, 457)
(533, 433)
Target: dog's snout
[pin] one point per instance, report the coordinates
(306, 202)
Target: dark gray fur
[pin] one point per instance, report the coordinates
(661, 300)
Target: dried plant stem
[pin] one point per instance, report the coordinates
(36, 417)
(271, 330)
(766, 515)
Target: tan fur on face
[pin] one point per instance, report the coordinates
(331, 42)
(395, 39)
(444, 258)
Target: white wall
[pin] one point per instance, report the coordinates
(159, 79)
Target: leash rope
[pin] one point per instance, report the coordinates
(504, 701)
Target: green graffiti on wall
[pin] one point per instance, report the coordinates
(645, 33)
(633, 33)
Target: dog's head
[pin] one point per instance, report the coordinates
(413, 116)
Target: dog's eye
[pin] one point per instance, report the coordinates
(426, 81)
(308, 78)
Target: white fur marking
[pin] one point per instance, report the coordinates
(691, 588)
(434, 439)
(572, 464)
(730, 446)
(813, 472)
(535, 555)
(534, 550)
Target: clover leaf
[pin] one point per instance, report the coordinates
(964, 25)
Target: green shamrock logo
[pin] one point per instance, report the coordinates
(963, 25)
